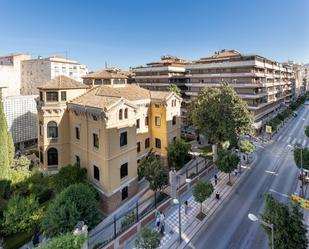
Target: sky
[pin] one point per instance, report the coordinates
(131, 33)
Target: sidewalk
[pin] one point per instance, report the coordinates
(189, 223)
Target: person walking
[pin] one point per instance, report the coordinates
(162, 224)
(216, 179)
(186, 204)
(158, 219)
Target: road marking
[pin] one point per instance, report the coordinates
(294, 141)
(274, 191)
(279, 138)
(289, 138)
(271, 172)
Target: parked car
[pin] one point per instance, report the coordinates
(295, 114)
(307, 102)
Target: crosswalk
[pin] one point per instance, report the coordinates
(304, 142)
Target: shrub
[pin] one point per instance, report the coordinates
(65, 241)
(21, 214)
(148, 239)
(129, 219)
(75, 203)
(67, 176)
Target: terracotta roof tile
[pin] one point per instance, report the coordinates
(63, 82)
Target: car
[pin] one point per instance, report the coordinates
(295, 114)
(307, 102)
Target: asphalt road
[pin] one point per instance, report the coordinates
(274, 172)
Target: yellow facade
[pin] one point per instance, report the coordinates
(106, 143)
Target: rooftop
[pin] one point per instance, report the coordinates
(107, 73)
(62, 82)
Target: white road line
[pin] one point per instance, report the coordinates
(279, 138)
(304, 143)
(289, 138)
(274, 191)
(294, 141)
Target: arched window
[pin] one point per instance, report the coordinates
(126, 113)
(52, 156)
(52, 129)
(120, 114)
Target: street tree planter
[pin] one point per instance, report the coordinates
(200, 216)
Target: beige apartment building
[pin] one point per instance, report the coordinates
(36, 71)
(106, 126)
(10, 73)
(265, 85)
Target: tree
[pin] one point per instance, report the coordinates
(174, 88)
(143, 164)
(289, 231)
(227, 162)
(301, 157)
(67, 176)
(148, 239)
(157, 176)
(66, 241)
(75, 203)
(177, 152)
(22, 163)
(21, 214)
(246, 146)
(307, 130)
(220, 114)
(201, 191)
(5, 145)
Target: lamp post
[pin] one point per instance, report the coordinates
(253, 218)
(176, 201)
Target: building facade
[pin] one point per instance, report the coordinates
(21, 116)
(263, 84)
(10, 73)
(106, 126)
(36, 71)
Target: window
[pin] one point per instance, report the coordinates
(120, 114)
(41, 155)
(146, 121)
(77, 133)
(63, 96)
(147, 143)
(126, 113)
(174, 120)
(41, 96)
(96, 173)
(52, 96)
(157, 121)
(157, 106)
(40, 129)
(52, 130)
(137, 124)
(138, 144)
(123, 170)
(95, 140)
(77, 160)
(158, 143)
(94, 117)
(52, 156)
(124, 193)
(123, 139)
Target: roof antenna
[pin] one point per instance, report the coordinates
(105, 64)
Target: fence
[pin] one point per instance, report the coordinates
(123, 223)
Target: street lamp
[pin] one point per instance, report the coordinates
(176, 201)
(253, 218)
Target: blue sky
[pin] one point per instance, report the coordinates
(131, 33)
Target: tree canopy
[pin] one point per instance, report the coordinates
(201, 191)
(307, 130)
(301, 157)
(75, 203)
(156, 174)
(177, 152)
(174, 88)
(227, 161)
(289, 230)
(246, 146)
(66, 241)
(220, 114)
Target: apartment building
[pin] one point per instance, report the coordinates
(106, 126)
(10, 73)
(36, 71)
(265, 85)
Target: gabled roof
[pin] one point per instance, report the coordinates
(62, 82)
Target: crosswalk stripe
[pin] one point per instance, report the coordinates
(279, 138)
(288, 140)
(304, 143)
(294, 141)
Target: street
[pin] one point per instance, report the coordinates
(274, 172)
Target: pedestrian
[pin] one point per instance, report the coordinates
(162, 217)
(162, 228)
(217, 196)
(235, 172)
(186, 204)
(158, 219)
(216, 179)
